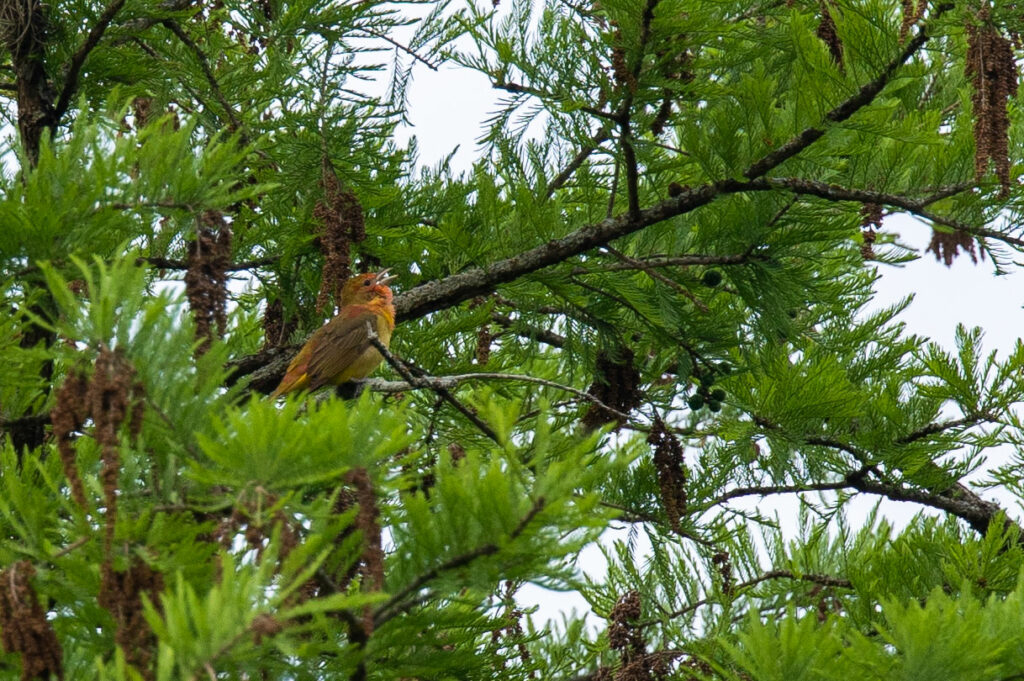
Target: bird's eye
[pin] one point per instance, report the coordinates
(366, 282)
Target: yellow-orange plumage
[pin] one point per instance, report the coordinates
(340, 350)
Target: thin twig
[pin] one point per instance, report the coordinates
(823, 580)
(447, 382)
(631, 516)
(669, 261)
(417, 382)
(136, 205)
(599, 137)
(519, 89)
(864, 96)
(766, 490)
(833, 192)
(81, 541)
(658, 276)
(390, 609)
(204, 64)
(528, 331)
(169, 264)
(404, 48)
(939, 427)
(632, 172)
(946, 192)
(610, 211)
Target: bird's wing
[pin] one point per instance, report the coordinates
(341, 343)
(295, 374)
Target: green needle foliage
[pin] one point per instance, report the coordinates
(638, 328)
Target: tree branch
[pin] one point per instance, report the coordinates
(404, 48)
(658, 276)
(169, 264)
(766, 490)
(527, 331)
(939, 427)
(391, 608)
(559, 181)
(624, 113)
(444, 293)
(684, 260)
(957, 499)
(78, 59)
(143, 23)
(204, 64)
(864, 96)
(946, 192)
(632, 171)
(424, 382)
(519, 89)
(437, 383)
(834, 192)
(823, 580)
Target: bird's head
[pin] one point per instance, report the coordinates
(366, 288)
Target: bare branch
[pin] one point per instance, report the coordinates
(685, 260)
(935, 428)
(423, 382)
(957, 499)
(527, 331)
(767, 490)
(447, 382)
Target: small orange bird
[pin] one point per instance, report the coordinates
(340, 350)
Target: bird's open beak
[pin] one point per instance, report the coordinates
(383, 277)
